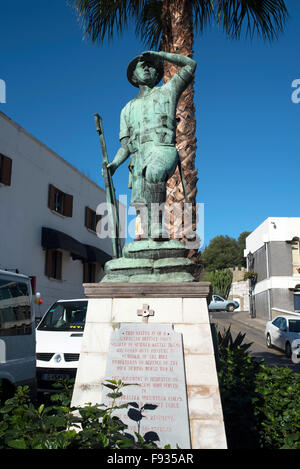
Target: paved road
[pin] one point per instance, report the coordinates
(254, 333)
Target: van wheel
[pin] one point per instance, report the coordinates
(288, 350)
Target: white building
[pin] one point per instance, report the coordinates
(272, 251)
(239, 290)
(48, 217)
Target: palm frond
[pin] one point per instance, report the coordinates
(226, 341)
(105, 18)
(203, 14)
(266, 18)
(150, 22)
(149, 25)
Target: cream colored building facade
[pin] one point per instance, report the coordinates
(48, 217)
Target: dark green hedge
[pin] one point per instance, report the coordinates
(24, 425)
(261, 404)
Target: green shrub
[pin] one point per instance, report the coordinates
(237, 373)
(278, 407)
(261, 404)
(220, 281)
(23, 426)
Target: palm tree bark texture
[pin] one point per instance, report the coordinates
(178, 37)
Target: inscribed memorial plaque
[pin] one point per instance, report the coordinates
(150, 355)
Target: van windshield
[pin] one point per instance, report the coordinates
(65, 316)
(15, 310)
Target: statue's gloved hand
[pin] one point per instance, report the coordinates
(151, 55)
(112, 167)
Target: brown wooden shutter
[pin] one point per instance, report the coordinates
(87, 217)
(85, 272)
(58, 273)
(33, 284)
(98, 223)
(48, 263)
(68, 205)
(93, 273)
(89, 272)
(6, 167)
(51, 198)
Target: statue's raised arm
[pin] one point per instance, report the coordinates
(188, 65)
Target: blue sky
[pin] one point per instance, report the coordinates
(248, 128)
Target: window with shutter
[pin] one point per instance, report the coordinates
(5, 170)
(60, 202)
(89, 273)
(297, 301)
(53, 267)
(92, 219)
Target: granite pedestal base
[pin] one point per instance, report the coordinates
(184, 306)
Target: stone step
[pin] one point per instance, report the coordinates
(140, 270)
(150, 249)
(178, 277)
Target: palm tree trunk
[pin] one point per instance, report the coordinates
(178, 38)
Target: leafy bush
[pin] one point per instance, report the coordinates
(220, 281)
(261, 404)
(237, 372)
(251, 276)
(278, 407)
(23, 426)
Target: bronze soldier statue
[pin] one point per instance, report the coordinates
(148, 129)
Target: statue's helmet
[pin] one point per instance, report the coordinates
(157, 63)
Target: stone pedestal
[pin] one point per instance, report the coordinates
(182, 305)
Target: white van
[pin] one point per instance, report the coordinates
(58, 342)
(17, 333)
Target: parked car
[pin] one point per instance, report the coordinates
(58, 342)
(284, 332)
(17, 334)
(220, 304)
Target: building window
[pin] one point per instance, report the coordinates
(53, 264)
(297, 301)
(92, 219)
(295, 256)
(60, 202)
(89, 272)
(5, 170)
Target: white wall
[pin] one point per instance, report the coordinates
(239, 292)
(273, 229)
(24, 210)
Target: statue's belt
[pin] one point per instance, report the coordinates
(159, 136)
